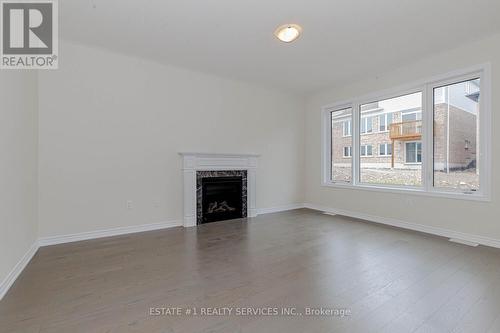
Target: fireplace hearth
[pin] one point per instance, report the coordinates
(221, 195)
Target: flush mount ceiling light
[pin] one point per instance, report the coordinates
(288, 32)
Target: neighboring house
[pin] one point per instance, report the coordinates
(391, 131)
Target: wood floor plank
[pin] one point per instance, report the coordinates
(389, 279)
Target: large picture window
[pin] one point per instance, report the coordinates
(393, 168)
(433, 139)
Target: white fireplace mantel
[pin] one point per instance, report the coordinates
(193, 162)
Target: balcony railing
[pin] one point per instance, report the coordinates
(408, 130)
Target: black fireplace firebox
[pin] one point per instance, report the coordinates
(221, 195)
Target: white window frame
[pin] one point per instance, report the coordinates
(416, 152)
(365, 120)
(349, 128)
(403, 113)
(426, 87)
(385, 116)
(386, 149)
(365, 150)
(349, 149)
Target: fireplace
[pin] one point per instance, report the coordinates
(196, 166)
(221, 195)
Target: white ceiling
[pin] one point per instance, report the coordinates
(342, 40)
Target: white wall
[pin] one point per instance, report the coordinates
(111, 127)
(478, 218)
(18, 168)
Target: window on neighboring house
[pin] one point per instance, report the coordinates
(413, 152)
(411, 115)
(385, 120)
(341, 143)
(436, 143)
(347, 151)
(366, 150)
(346, 127)
(366, 125)
(385, 149)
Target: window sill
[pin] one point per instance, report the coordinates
(411, 191)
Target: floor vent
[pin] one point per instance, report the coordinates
(464, 242)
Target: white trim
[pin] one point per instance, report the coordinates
(62, 239)
(456, 235)
(420, 191)
(424, 86)
(53, 240)
(17, 270)
(278, 209)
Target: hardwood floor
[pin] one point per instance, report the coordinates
(390, 280)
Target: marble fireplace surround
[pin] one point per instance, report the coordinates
(193, 162)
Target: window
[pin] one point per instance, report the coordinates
(385, 149)
(411, 115)
(346, 128)
(394, 171)
(384, 120)
(456, 136)
(432, 139)
(366, 125)
(413, 152)
(366, 150)
(347, 152)
(341, 143)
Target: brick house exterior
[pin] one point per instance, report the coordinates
(452, 151)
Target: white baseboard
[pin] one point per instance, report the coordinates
(53, 240)
(277, 209)
(470, 238)
(17, 270)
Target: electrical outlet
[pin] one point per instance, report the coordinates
(129, 204)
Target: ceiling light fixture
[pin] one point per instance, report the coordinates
(288, 32)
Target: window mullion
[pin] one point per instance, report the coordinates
(355, 142)
(428, 137)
